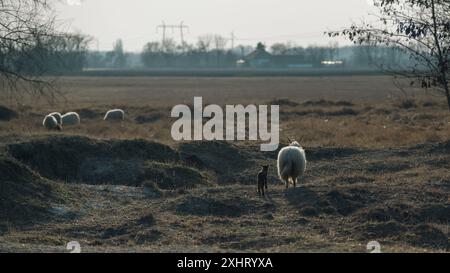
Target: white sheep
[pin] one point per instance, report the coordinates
(70, 118)
(291, 163)
(57, 116)
(115, 114)
(51, 123)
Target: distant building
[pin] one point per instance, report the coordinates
(260, 58)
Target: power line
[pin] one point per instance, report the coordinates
(164, 28)
(232, 38)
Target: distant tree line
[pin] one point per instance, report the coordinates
(420, 29)
(54, 54)
(210, 51)
(66, 53)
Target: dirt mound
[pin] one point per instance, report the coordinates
(139, 231)
(7, 114)
(132, 162)
(119, 162)
(107, 170)
(303, 197)
(423, 235)
(352, 179)
(326, 103)
(418, 226)
(436, 213)
(346, 111)
(91, 161)
(347, 202)
(227, 161)
(426, 235)
(283, 102)
(341, 202)
(380, 230)
(309, 212)
(88, 113)
(149, 118)
(440, 148)
(24, 195)
(388, 167)
(170, 177)
(431, 213)
(209, 206)
(330, 153)
(400, 213)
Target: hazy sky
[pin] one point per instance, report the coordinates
(269, 21)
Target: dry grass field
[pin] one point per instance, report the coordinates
(378, 169)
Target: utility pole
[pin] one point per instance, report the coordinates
(164, 27)
(182, 27)
(97, 43)
(232, 40)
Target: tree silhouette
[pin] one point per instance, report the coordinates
(25, 26)
(420, 28)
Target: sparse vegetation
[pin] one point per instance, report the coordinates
(418, 28)
(379, 172)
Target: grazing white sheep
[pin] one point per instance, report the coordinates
(51, 123)
(291, 163)
(115, 114)
(70, 118)
(57, 116)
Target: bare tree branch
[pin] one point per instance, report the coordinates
(420, 28)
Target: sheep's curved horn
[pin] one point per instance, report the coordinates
(290, 141)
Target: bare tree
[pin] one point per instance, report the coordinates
(420, 28)
(280, 48)
(119, 58)
(152, 54)
(219, 46)
(204, 42)
(24, 26)
(220, 42)
(169, 46)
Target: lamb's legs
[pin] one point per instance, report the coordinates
(261, 189)
(295, 182)
(265, 184)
